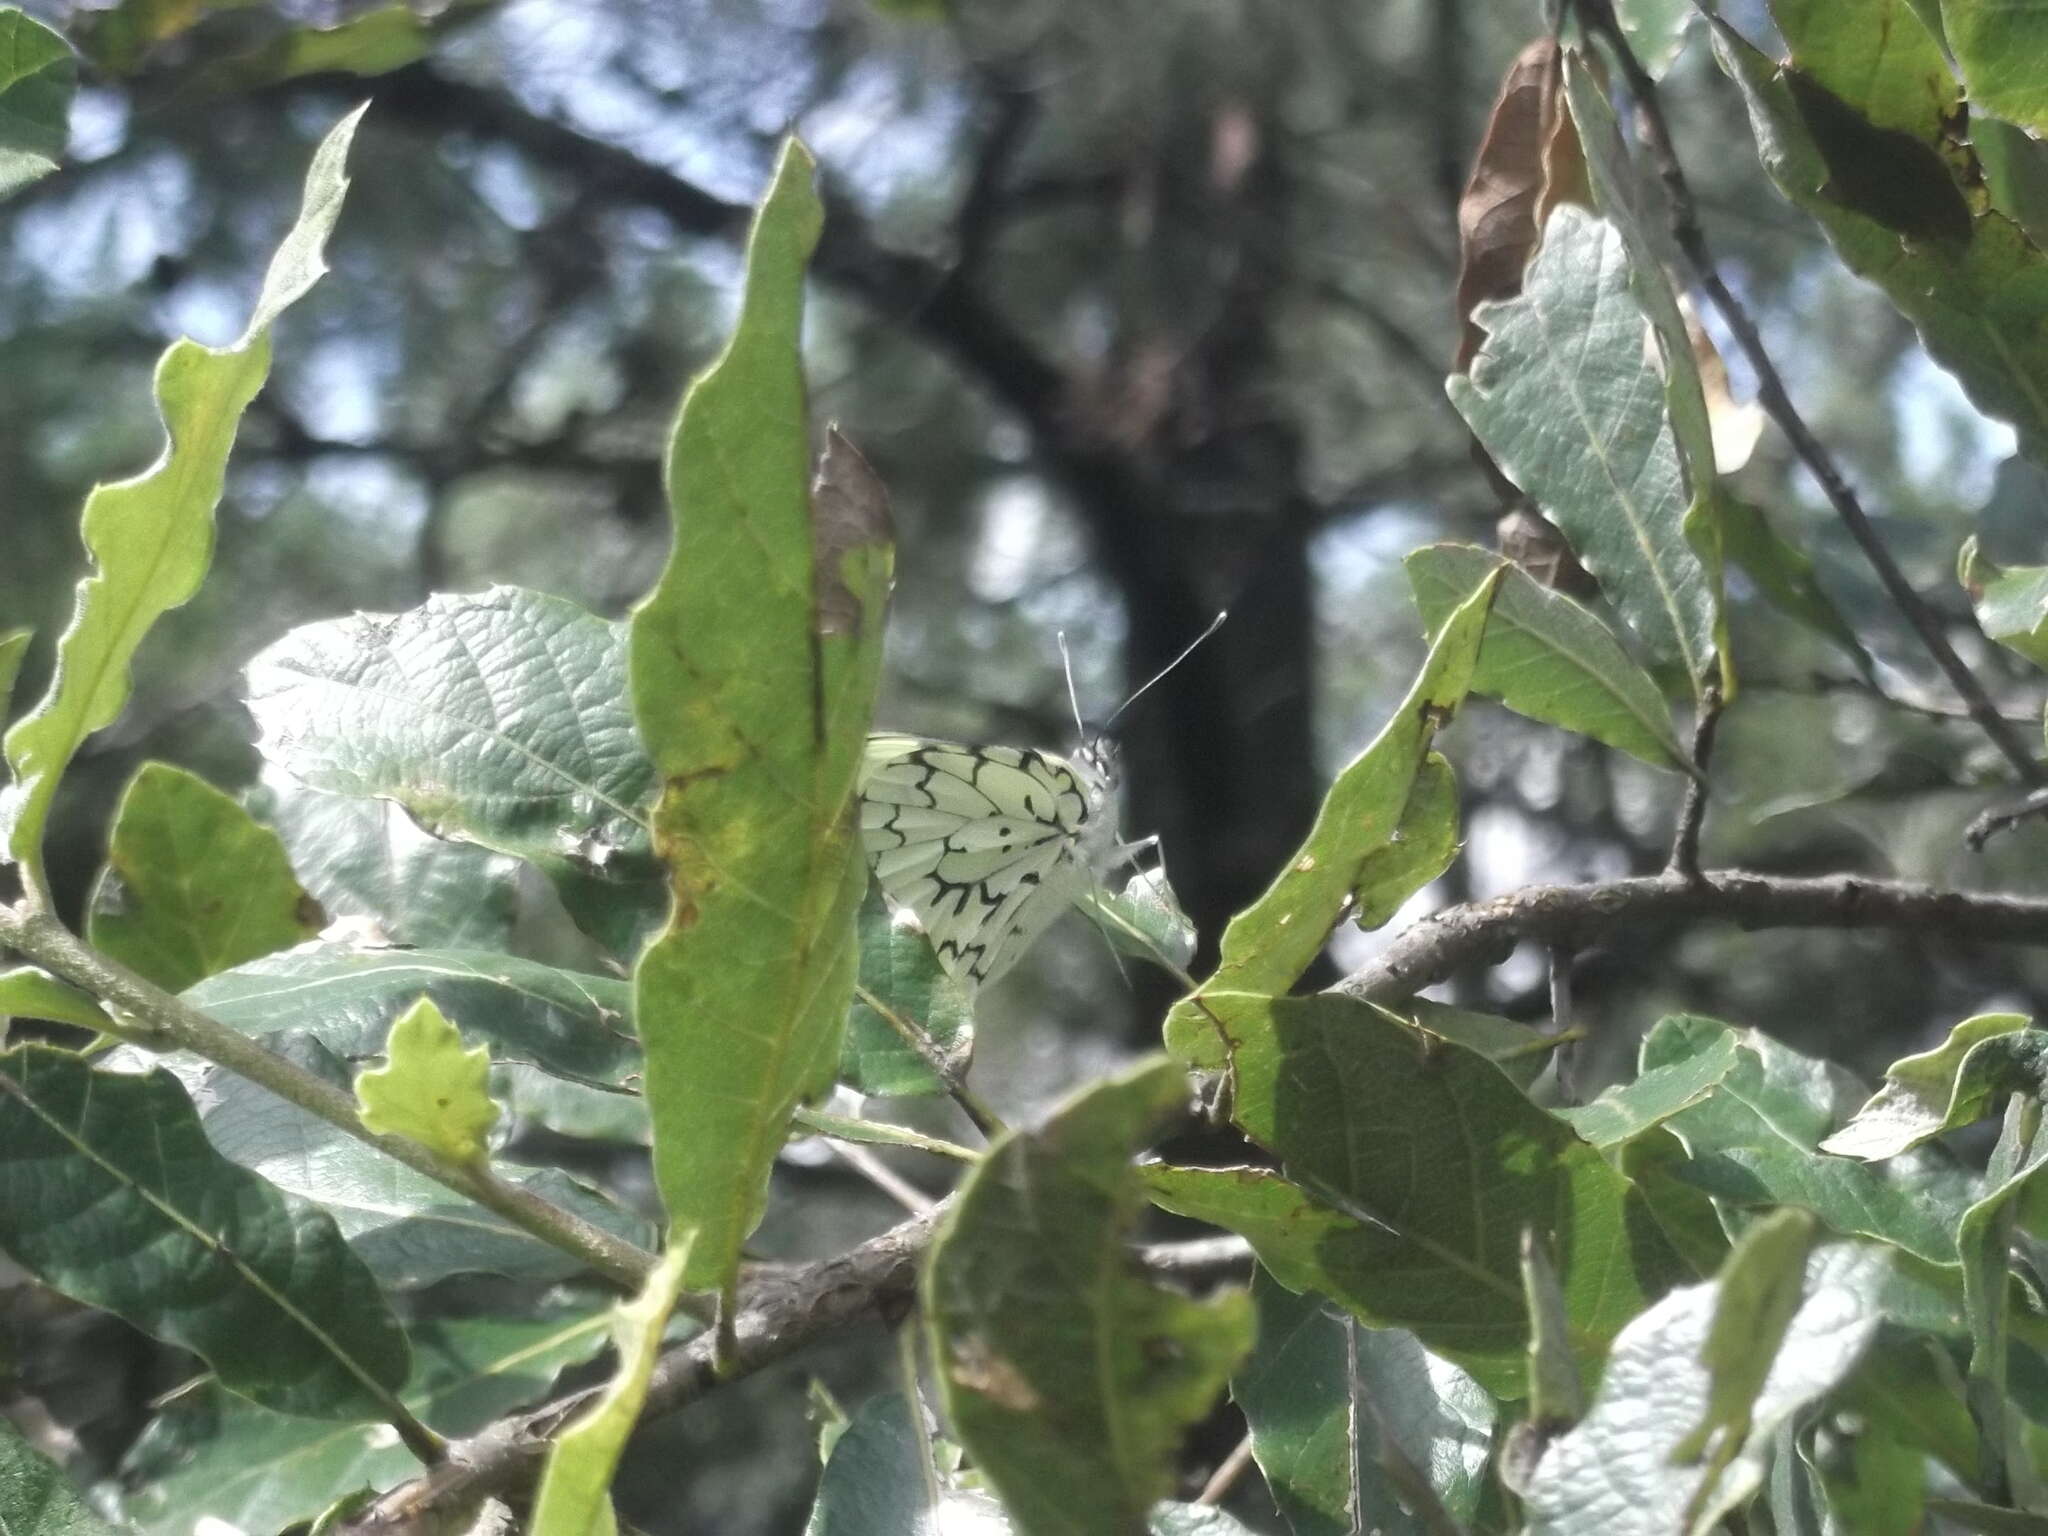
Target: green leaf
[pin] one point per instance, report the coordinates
(1569, 403)
(29, 993)
(369, 859)
(1629, 1109)
(574, 1497)
(1557, 1396)
(1546, 657)
(543, 1024)
(117, 1199)
(1785, 575)
(1655, 30)
(13, 649)
(1351, 853)
(2011, 604)
(900, 970)
(152, 536)
(497, 718)
(1296, 1393)
(1974, 286)
(1068, 1376)
(410, 1230)
(2002, 49)
(1439, 1162)
(37, 76)
(754, 665)
(36, 1499)
(1687, 1216)
(1754, 1142)
(1616, 1472)
(1949, 1086)
(1758, 1293)
(194, 884)
(1519, 1050)
(213, 1455)
(878, 1479)
(430, 1088)
(1144, 919)
(1984, 1241)
(1876, 56)
(2015, 174)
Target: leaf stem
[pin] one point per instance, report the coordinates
(1692, 815)
(1599, 19)
(986, 1120)
(148, 1016)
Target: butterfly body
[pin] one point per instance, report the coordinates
(987, 845)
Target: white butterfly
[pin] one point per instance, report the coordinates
(987, 845)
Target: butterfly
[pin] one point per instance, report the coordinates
(988, 845)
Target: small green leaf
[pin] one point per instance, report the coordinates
(754, 664)
(411, 1230)
(1068, 1375)
(1548, 658)
(1557, 1397)
(574, 1497)
(37, 77)
(430, 1088)
(1571, 405)
(878, 1480)
(1759, 1291)
(194, 884)
(1950, 1086)
(2011, 604)
(900, 971)
(1269, 944)
(2002, 49)
(29, 993)
(1984, 1242)
(1877, 56)
(211, 1454)
(1144, 919)
(116, 1198)
(1300, 1405)
(1655, 30)
(152, 536)
(36, 1498)
(1629, 1109)
(13, 649)
(496, 718)
(1616, 1473)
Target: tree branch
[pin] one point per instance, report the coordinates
(779, 1315)
(1579, 916)
(1686, 230)
(153, 1018)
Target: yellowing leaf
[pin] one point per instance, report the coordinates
(431, 1088)
(574, 1498)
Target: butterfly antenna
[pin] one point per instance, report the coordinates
(1073, 698)
(1214, 625)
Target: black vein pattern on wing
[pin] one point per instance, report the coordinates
(952, 830)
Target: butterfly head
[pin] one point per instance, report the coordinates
(1101, 759)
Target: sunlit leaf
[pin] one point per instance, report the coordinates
(754, 664)
(152, 537)
(1069, 1375)
(1616, 1472)
(1629, 1109)
(1546, 657)
(29, 993)
(116, 1198)
(36, 1498)
(194, 884)
(431, 1088)
(574, 1497)
(2003, 51)
(37, 76)
(496, 718)
(1949, 1086)
(900, 971)
(2011, 604)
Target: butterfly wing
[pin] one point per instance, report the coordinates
(982, 843)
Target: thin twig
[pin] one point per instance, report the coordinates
(2004, 818)
(919, 1040)
(151, 1017)
(884, 1178)
(1563, 1034)
(1598, 18)
(1692, 815)
(1226, 1476)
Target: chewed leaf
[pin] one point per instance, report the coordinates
(2012, 605)
(1068, 1374)
(1949, 1086)
(151, 537)
(430, 1087)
